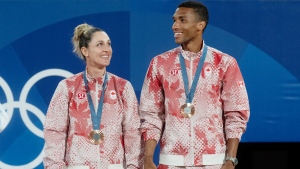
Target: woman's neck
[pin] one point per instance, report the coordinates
(95, 72)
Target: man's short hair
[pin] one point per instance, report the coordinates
(199, 9)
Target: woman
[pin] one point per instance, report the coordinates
(92, 121)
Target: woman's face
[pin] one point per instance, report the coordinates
(99, 52)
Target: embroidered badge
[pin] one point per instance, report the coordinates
(241, 83)
(208, 71)
(113, 94)
(81, 95)
(174, 72)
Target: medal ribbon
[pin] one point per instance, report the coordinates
(96, 117)
(190, 94)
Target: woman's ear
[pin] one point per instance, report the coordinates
(84, 51)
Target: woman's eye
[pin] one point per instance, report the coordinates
(103, 44)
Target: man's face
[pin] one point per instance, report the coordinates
(185, 25)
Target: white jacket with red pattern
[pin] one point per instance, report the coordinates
(68, 125)
(220, 101)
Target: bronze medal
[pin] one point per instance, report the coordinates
(187, 110)
(96, 137)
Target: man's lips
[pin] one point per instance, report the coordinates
(177, 34)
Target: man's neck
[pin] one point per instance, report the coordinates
(192, 47)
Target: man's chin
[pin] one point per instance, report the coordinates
(177, 42)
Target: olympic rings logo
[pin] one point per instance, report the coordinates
(24, 106)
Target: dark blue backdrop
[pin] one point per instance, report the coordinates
(36, 53)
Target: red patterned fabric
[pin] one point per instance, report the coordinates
(220, 100)
(68, 124)
(161, 166)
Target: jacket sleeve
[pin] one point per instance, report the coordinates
(131, 129)
(236, 103)
(56, 128)
(152, 104)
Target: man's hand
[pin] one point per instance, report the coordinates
(148, 163)
(149, 152)
(228, 165)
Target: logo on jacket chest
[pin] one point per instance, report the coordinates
(174, 72)
(207, 71)
(112, 94)
(81, 95)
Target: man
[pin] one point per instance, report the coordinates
(193, 100)
(3, 118)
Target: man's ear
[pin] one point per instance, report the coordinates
(84, 51)
(201, 25)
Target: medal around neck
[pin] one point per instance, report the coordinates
(187, 110)
(96, 137)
